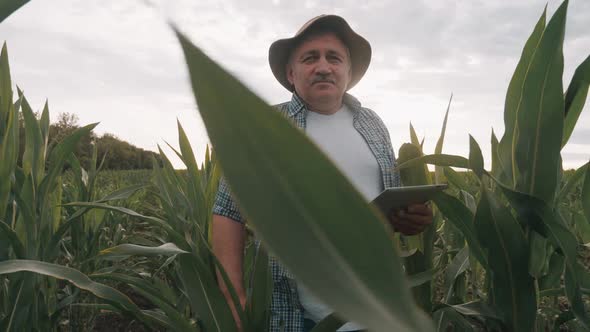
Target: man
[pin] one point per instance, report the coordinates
(319, 64)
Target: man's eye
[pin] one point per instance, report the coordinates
(308, 59)
(335, 59)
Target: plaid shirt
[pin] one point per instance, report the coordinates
(286, 311)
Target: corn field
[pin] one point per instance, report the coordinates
(89, 249)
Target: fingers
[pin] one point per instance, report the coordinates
(413, 220)
(405, 226)
(420, 209)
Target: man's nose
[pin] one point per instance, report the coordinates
(323, 66)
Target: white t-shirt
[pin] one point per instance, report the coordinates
(344, 145)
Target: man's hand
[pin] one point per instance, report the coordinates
(412, 220)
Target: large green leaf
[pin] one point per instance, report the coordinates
(513, 101)
(260, 293)
(301, 206)
(13, 240)
(528, 207)
(575, 98)
(540, 118)
(175, 236)
(9, 133)
(458, 266)
(57, 159)
(76, 277)
(5, 88)
(8, 7)
(514, 290)
(205, 297)
(152, 293)
(462, 218)
(125, 250)
(34, 154)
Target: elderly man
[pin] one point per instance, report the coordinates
(318, 65)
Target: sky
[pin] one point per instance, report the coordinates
(118, 62)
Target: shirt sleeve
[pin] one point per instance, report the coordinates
(224, 203)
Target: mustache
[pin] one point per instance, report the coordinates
(322, 80)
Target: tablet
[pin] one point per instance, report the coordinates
(400, 197)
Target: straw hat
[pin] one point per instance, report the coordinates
(359, 47)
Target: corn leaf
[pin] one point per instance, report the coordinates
(496, 167)
(448, 319)
(540, 118)
(76, 277)
(455, 178)
(539, 255)
(175, 236)
(458, 266)
(13, 240)
(575, 98)
(205, 297)
(260, 293)
(527, 207)
(475, 157)
(279, 179)
(7, 7)
(553, 277)
(462, 218)
(5, 87)
(33, 143)
(144, 288)
(438, 160)
(514, 97)
(585, 199)
(513, 291)
(329, 324)
(578, 175)
(475, 309)
(166, 249)
(413, 137)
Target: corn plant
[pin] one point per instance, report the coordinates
(430, 251)
(31, 226)
(518, 225)
(186, 200)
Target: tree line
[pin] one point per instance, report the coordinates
(117, 154)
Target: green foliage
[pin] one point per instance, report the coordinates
(502, 255)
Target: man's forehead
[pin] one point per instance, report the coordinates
(316, 41)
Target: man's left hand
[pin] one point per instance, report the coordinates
(412, 220)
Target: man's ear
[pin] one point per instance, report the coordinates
(289, 71)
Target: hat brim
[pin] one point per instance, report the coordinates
(359, 48)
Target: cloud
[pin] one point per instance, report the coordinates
(118, 61)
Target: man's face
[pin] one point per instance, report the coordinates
(319, 69)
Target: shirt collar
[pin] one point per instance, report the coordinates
(297, 104)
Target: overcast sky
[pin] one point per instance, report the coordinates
(117, 62)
